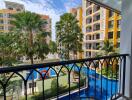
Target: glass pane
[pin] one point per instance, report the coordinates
(116, 4)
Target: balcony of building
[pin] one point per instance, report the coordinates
(88, 4)
(96, 27)
(88, 20)
(89, 29)
(96, 17)
(96, 8)
(89, 11)
(99, 78)
(73, 79)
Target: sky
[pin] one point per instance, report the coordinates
(53, 8)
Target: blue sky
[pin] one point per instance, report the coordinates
(53, 8)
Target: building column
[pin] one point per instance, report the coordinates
(126, 43)
(115, 30)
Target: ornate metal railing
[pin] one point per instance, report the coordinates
(99, 78)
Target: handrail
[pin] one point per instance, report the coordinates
(43, 65)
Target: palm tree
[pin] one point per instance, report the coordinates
(69, 34)
(108, 49)
(30, 25)
(53, 47)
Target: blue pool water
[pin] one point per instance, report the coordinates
(109, 87)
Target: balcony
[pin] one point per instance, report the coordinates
(96, 17)
(88, 4)
(89, 20)
(96, 27)
(88, 11)
(91, 78)
(96, 8)
(89, 29)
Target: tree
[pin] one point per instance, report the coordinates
(53, 47)
(69, 34)
(8, 49)
(8, 57)
(108, 49)
(32, 41)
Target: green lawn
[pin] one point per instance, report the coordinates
(63, 80)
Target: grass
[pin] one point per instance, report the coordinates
(47, 82)
(51, 90)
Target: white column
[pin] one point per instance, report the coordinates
(126, 43)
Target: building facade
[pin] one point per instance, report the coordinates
(93, 28)
(113, 28)
(99, 24)
(6, 15)
(47, 26)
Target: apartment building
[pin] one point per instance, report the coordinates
(93, 27)
(99, 24)
(78, 13)
(47, 26)
(6, 15)
(113, 28)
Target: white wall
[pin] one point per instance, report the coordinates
(126, 42)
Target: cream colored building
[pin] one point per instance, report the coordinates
(99, 24)
(6, 15)
(93, 28)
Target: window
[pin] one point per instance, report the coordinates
(97, 46)
(10, 28)
(10, 8)
(110, 35)
(1, 21)
(8, 22)
(96, 8)
(96, 17)
(118, 34)
(10, 15)
(111, 24)
(93, 37)
(97, 36)
(89, 29)
(88, 54)
(118, 45)
(88, 46)
(111, 13)
(88, 20)
(89, 11)
(1, 27)
(96, 27)
(18, 9)
(1, 15)
(88, 37)
(119, 23)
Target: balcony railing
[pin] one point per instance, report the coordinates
(101, 78)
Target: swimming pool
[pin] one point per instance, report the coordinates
(109, 87)
(95, 82)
